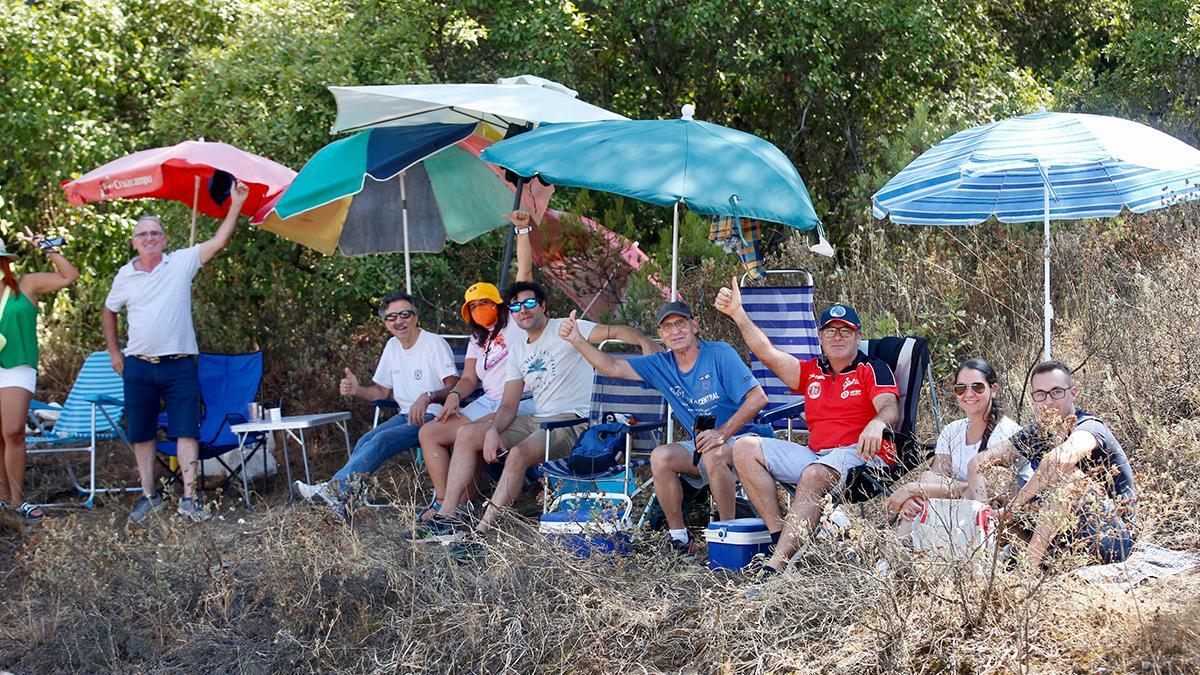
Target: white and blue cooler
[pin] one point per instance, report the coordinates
(596, 523)
(732, 544)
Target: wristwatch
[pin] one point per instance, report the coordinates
(523, 230)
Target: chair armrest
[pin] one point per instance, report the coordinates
(563, 424)
(386, 403)
(786, 412)
(38, 405)
(103, 400)
(648, 426)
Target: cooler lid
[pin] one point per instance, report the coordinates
(739, 525)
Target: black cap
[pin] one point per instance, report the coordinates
(678, 307)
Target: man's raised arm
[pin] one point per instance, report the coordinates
(784, 365)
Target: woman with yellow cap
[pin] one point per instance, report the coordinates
(487, 351)
(19, 360)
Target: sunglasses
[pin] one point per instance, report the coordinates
(838, 332)
(527, 303)
(402, 314)
(148, 235)
(977, 387)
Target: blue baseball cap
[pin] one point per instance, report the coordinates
(842, 313)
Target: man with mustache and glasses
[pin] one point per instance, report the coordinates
(849, 400)
(697, 377)
(417, 370)
(1082, 492)
(560, 380)
(158, 364)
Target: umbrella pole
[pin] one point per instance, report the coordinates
(195, 210)
(404, 220)
(675, 253)
(511, 240)
(1048, 309)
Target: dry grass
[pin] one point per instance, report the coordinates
(286, 589)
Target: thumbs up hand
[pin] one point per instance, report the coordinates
(349, 384)
(729, 299)
(569, 329)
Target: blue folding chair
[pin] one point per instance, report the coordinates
(92, 413)
(229, 383)
(642, 410)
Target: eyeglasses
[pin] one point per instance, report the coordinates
(672, 326)
(977, 387)
(148, 235)
(527, 303)
(839, 332)
(1056, 393)
(402, 314)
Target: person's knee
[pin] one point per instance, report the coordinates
(747, 450)
(717, 460)
(817, 479)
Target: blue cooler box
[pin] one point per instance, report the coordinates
(588, 532)
(732, 544)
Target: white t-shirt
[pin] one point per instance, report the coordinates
(557, 374)
(159, 304)
(416, 370)
(953, 442)
(491, 360)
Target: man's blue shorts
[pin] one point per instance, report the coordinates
(173, 382)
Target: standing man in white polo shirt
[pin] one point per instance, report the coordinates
(158, 363)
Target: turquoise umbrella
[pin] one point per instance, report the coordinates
(710, 169)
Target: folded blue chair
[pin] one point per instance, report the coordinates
(92, 414)
(229, 383)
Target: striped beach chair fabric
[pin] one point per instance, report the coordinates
(92, 414)
(785, 314)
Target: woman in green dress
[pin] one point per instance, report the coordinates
(19, 360)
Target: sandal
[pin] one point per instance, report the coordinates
(32, 513)
(3, 505)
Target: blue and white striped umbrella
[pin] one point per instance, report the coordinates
(1095, 167)
(1043, 166)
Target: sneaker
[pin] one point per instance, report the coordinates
(192, 510)
(469, 548)
(317, 493)
(145, 506)
(684, 550)
(442, 530)
(31, 513)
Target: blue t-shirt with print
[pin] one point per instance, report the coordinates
(715, 385)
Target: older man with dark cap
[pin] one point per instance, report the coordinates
(849, 399)
(698, 378)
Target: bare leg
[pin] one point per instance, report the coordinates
(14, 405)
(817, 481)
(719, 465)
(187, 450)
(464, 465)
(525, 454)
(436, 440)
(757, 480)
(144, 453)
(666, 463)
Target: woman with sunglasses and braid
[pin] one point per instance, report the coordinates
(976, 391)
(487, 354)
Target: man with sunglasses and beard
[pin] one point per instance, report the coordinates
(417, 370)
(1082, 493)
(849, 400)
(560, 380)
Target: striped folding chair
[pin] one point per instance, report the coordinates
(91, 414)
(613, 400)
(785, 314)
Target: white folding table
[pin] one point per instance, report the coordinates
(293, 427)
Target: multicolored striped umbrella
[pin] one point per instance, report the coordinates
(393, 189)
